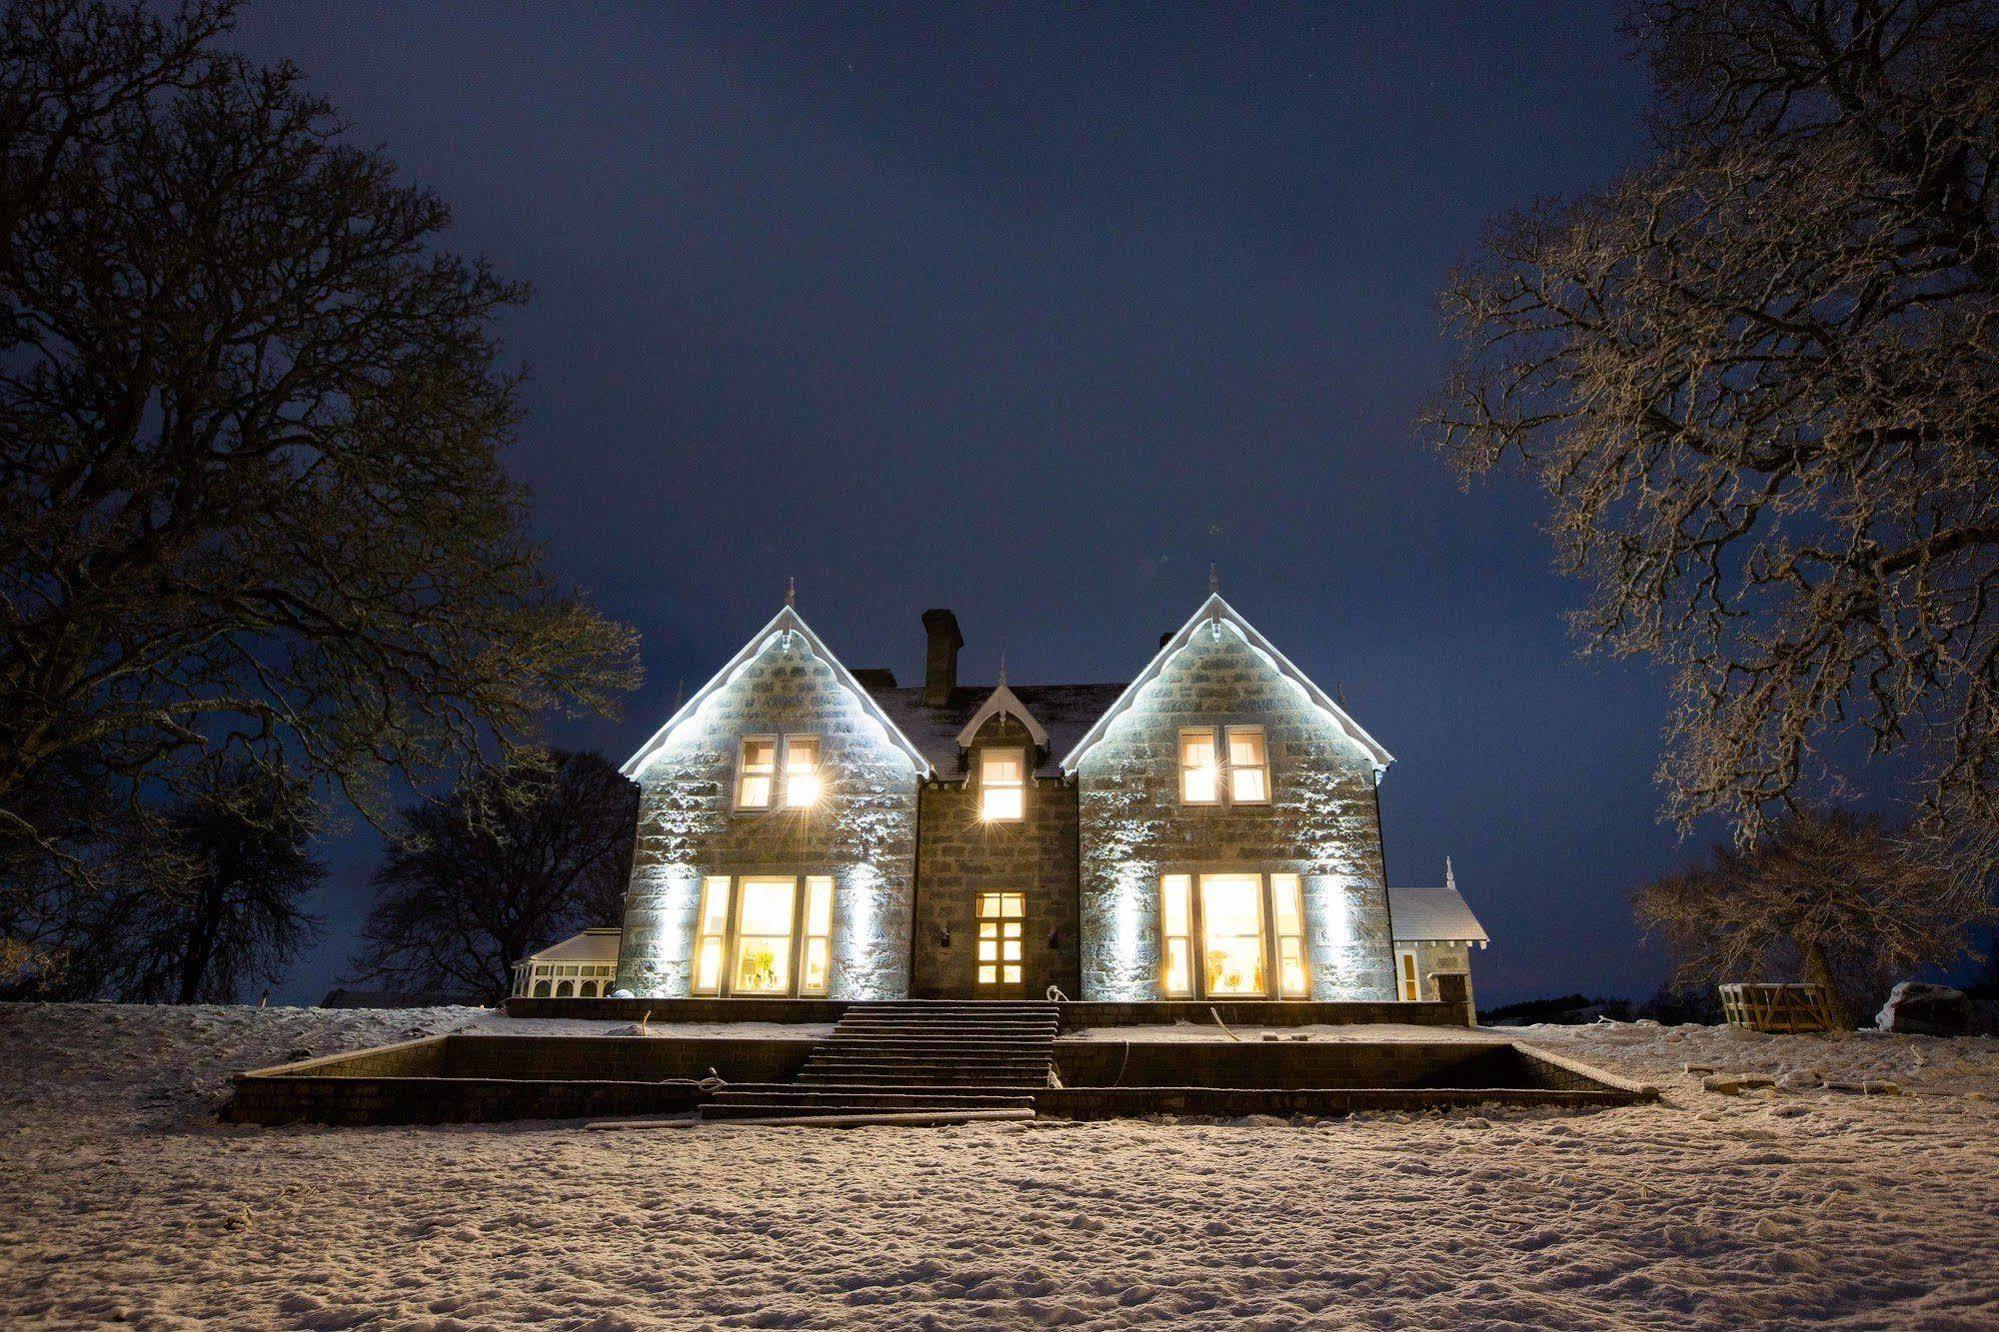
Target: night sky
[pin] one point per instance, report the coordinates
(1033, 314)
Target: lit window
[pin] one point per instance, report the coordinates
(818, 935)
(1200, 775)
(1288, 909)
(1249, 769)
(1000, 925)
(756, 772)
(1002, 785)
(1176, 917)
(763, 936)
(1412, 990)
(1232, 934)
(709, 941)
(801, 771)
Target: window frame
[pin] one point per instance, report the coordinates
(818, 746)
(770, 801)
(730, 886)
(1220, 737)
(1229, 766)
(999, 920)
(1019, 753)
(1195, 939)
(1182, 767)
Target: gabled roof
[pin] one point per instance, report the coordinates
(786, 621)
(593, 945)
(1002, 700)
(1436, 915)
(1217, 612)
(1065, 711)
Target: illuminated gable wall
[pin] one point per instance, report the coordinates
(1321, 823)
(862, 831)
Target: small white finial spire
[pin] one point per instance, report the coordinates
(1450, 875)
(791, 591)
(1214, 579)
(1002, 678)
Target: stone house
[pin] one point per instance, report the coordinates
(1210, 829)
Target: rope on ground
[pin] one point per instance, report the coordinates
(1216, 1015)
(1054, 995)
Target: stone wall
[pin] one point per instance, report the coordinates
(1321, 823)
(862, 831)
(961, 856)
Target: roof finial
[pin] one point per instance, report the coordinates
(1002, 678)
(1450, 875)
(1214, 580)
(791, 591)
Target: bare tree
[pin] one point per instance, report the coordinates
(1757, 376)
(512, 862)
(251, 499)
(1832, 898)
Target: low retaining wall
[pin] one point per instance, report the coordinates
(1452, 1008)
(1233, 1102)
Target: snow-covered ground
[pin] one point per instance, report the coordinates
(121, 1199)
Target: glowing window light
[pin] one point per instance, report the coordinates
(1249, 766)
(1200, 769)
(1176, 892)
(802, 783)
(756, 772)
(1001, 921)
(1003, 785)
(1287, 900)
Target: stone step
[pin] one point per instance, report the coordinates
(850, 1039)
(887, 1095)
(1046, 1033)
(904, 1055)
(907, 1116)
(922, 1075)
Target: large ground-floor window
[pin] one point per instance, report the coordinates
(1233, 935)
(764, 934)
(1001, 921)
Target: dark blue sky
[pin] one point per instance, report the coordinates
(1033, 314)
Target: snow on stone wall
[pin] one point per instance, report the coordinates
(1320, 823)
(862, 831)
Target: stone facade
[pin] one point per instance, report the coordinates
(1321, 822)
(961, 856)
(862, 831)
(898, 824)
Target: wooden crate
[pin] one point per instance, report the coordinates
(1787, 1007)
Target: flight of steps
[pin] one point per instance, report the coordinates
(912, 1057)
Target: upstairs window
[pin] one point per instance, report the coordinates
(1249, 769)
(801, 771)
(1003, 785)
(1200, 772)
(1229, 763)
(756, 772)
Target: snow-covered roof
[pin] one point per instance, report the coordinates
(786, 621)
(1064, 712)
(1215, 611)
(593, 945)
(1432, 915)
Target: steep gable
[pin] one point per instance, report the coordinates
(1217, 616)
(785, 622)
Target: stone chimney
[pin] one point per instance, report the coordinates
(940, 662)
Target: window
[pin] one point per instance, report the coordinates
(756, 772)
(1249, 771)
(1200, 777)
(764, 910)
(763, 934)
(818, 935)
(1003, 785)
(801, 771)
(1412, 989)
(1000, 925)
(1176, 920)
(1221, 933)
(1207, 769)
(1287, 904)
(711, 938)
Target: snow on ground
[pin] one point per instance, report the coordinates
(121, 1199)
